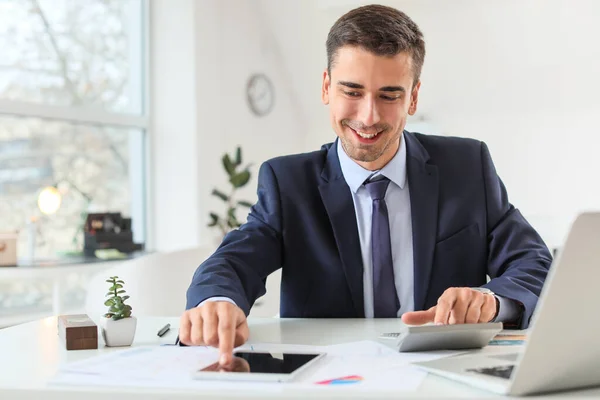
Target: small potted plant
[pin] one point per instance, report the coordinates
(118, 326)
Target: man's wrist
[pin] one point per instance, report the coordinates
(508, 311)
(497, 300)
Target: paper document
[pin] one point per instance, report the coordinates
(371, 366)
(147, 363)
(364, 365)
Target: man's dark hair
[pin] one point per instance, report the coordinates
(382, 30)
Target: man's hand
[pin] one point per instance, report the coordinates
(456, 306)
(216, 323)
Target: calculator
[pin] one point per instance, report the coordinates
(444, 337)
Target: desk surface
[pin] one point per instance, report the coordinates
(32, 353)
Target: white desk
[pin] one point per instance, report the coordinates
(31, 353)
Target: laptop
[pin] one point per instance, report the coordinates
(562, 350)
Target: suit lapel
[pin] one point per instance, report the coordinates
(337, 199)
(423, 186)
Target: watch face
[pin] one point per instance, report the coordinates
(260, 94)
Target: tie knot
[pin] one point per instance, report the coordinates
(377, 187)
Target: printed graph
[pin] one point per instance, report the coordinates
(345, 380)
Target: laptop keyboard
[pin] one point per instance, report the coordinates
(501, 372)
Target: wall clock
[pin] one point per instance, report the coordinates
(260, 94)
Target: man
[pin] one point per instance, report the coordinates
(380, 223)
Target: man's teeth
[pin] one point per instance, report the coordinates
(366, 135)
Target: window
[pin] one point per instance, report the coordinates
(72, 114)
(72, 53)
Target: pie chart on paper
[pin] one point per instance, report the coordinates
(345, 380)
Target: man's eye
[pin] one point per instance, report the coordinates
(389, 98)
(352, 94)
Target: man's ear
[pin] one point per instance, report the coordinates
(325, 87)
(414, 99)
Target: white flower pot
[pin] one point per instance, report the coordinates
(118, 333)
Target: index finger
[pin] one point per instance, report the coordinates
(226, 335)
(419, 317)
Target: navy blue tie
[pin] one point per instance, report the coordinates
(385, 298)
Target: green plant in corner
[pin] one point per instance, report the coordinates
(117, 308)
(238, 178)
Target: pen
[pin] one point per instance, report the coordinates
(164, 330)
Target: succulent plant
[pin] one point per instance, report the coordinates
(117, 309)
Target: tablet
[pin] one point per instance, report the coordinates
(260, 367)
(445, 337)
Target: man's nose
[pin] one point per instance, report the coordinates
(368, 113)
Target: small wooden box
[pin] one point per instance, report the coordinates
(78, 332)
(8, 249)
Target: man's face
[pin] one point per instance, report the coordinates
(369, 99)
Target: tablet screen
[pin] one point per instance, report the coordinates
(264, 363)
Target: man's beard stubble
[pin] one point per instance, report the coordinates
(366, 153)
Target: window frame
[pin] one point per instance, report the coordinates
(141, 200)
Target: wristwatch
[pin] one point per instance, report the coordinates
(482, 290)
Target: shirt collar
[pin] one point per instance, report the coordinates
(355, 175)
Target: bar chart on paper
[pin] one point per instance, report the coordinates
(345, 380)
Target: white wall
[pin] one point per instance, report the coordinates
(173, 159)
(202, 55)
(300, 28)
(520, 75)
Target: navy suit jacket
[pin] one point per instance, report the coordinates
(304, 222)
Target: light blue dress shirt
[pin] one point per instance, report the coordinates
(397, 199)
